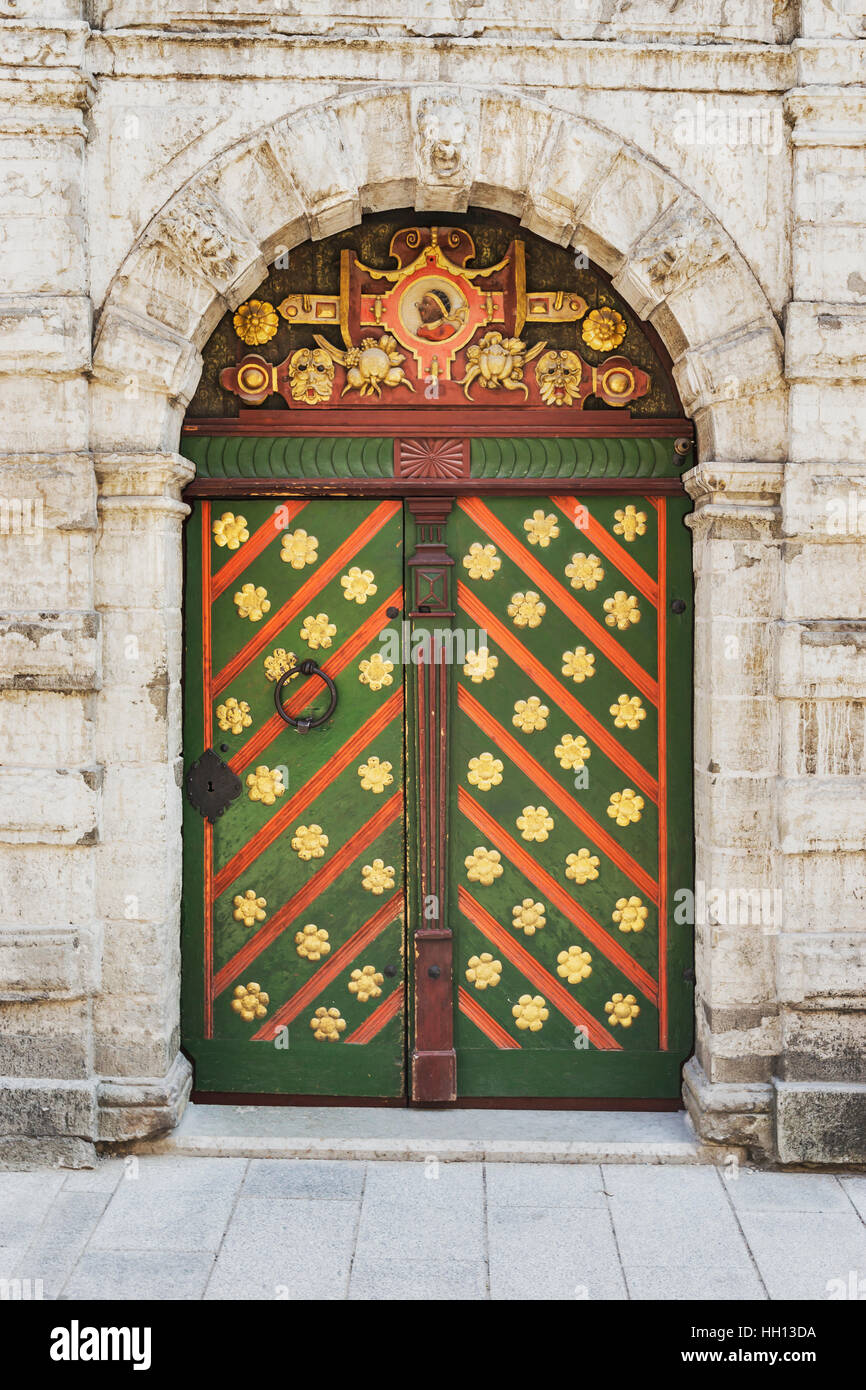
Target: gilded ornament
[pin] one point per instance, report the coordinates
(311, 375)
(628, 712)
(584, 571)
(298, 548)
(579, 664)
(526, 610)
(252, 602)
(311, 942)
(496, 361)
(603, 329)
(250, 1001)
(256, 322)
(574, 965)
(378, 876)
(483, 866)
(484, 971)
(625, 807)
(528, 916)
(376, 363)
(530, 1012)
(621, 610)
(535, 823)
(233, 715)
(265, 785)
(541, 528)
(558, 375)
(629, 522)
(530, 715)
(249, 908)
(572, 752)
(310, 842)
(480, 666)
(366, 983)
(581, 867)
(621, 1009)
(317, 631)
(376, 672)
(230, 531)
(375, 776)
(327, 1025)
(485, 772)
(482, 562)
(629, 914)
(278, 663)
(358, 585)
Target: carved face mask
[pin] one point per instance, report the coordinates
(558, 375)
(311, 374)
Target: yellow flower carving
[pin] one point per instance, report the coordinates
(311, 942)
(535, 823)
(376, 672)
(480, 666)
(233, 715)
(603, 329)
(484, 970)
(581, 867)
(327, 1025)
(252, 602)
(629, 914)
(298, 548)
(375, 776)
(485, 772)
(365, 983)
(530, 715)
(628, 712)
(249, 909)
(230, 530)
(483, 866)
(621, 1009)
(250, 1001)
(265, 785)
(625, 807)
(574, 965)
(527, 610)
(579, 664)
(310, 842)
(482, 562)
(317, 631)
(629, 522)
(528, 917)
(621, 610)
(256, 322)
(573, 751)
(378, 876)
(358, 585)
(530, 1012)
(278, 663)
(584, 571)
(541, 529)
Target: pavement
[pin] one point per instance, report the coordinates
(169, 1226)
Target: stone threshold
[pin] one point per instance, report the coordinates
(451, 1136)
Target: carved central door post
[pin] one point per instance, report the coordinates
(434, 1061)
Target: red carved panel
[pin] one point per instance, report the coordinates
(431, 458)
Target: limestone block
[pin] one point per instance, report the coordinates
(43, 254)
(735, 734)
(49, 573)
(840, 593)
(49, 1108)
(212, 240)
(825, 970)
(274, 210)
(54, 491)
(135, 1036)
(56, 962)
(141, 646)
(743, 362)
(50, 651)
(631, 197)
(828, 264)
(144, 356)
(824, 1046)
(820, 1121)
(734, 657)
(822, 660)
(138, 1107)
(734, 810)
(746, 1053)
(571, 166)
(746, 427)
(832, 19)
(44, 413)
(45, 885)
(50, 806)
(45, 728)
(824, 500)
(141, 957)
(506, 165)
(125, 417)
(738, 576)
(156, 286)
(823, 813)
(47, 1039)
(684, 240)
(376, 133)
(139, 723)
(307, 148)
(142, 801)
(824, 892)
(44, 333)
(736, 966)
(733, 1113)
(828, 423)
(829, 183)
(149, 530)
(826, 342)
(823, 738)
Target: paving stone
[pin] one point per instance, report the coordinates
(640, 1182)
(427, 1182)
(140, 1275)
(673, 1217)
(61, 1239)
(553, 1253)
(752, 1191)
(286, 1249)
(334, 1180)
(103, 1178)
(181, 1174)
(139, 1217)
(544, 1185)
(699, 1281)
(24, 1201)
(855, 1190)
(806, 1255)
(418, 1280)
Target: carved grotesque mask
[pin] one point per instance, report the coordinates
(443, 132)
(311, 374)
(558, 375)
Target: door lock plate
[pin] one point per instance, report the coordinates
(211, 785)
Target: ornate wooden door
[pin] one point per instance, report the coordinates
(293, 971)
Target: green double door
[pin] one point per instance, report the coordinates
(561, 755)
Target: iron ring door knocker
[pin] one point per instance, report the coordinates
(306, 668)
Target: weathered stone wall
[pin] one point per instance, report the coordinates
(153, 158)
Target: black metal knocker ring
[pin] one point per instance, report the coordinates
(306, 668)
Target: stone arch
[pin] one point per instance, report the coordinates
(439, 148)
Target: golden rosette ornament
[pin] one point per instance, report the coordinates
(256, 322)
(603, 329)
(250, 1001)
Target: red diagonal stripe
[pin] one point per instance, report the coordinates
(352, 647)
(552, 790)
(331, 967)
(525, 961)
(550, 686)
(258, 541)
(300, 901)
(610, 547)
(542, 880)
(317, 581)
(483, 1021)
(319, 782)
(366, 1031)
(598, 634)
